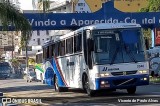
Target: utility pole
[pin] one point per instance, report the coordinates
(26, 47)
(12, 44)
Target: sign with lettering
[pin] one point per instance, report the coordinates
(107, 14)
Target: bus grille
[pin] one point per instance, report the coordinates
(125, 81)
(124, 73)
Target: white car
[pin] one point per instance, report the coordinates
(27, 71)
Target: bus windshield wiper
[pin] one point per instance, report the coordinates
(130, 54)
(114, 55)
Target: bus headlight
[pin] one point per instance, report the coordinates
(102, 75)
(143, 71)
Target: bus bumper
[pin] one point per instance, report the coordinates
(121, 82)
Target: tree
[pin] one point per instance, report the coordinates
(10, 15)
(153, 6)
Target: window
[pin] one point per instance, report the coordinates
(69, 45)
(47, 52)
(53, 49)
(78, 43)
(38, 33)
(62, 48)
(44, 53)
(47, 32)
(56, 53)
(50, 51)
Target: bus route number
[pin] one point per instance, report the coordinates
(140, 66)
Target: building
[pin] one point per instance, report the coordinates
(9, 40)
(122, 5)
(9, 43)
(38, 38)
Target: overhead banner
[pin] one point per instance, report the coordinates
(107, 14)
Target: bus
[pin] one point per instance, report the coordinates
(101, 56)
(39, 66)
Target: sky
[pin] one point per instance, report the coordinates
(27, 4)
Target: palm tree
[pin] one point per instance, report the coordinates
(41, 4)
(10, 15)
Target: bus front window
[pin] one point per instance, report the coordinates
(105, 42)
(118, 46)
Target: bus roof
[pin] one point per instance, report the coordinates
(111, 26)
(99, 26)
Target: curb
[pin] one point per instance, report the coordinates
(154, 83)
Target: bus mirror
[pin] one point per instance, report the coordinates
(90, 45)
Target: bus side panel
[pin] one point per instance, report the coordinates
(57, 66)
(39, 72)
(49, 72)
(63, 72)
(76, 71)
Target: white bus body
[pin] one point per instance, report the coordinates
(39, 66)
(102, 56)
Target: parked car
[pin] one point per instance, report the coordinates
(31, 76)
(154, 64)
(5, 70)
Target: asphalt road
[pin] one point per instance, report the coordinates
(20, 89)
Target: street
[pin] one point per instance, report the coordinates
(21, 89)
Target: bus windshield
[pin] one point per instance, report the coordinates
(122, 46)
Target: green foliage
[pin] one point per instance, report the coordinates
(147, 35)
(15, 62)
(11, 16)
(153, 6)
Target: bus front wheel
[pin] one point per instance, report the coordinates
(87, 86)
(59, 89)
(131, 90)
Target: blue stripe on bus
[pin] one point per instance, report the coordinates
(61, 81)
(49, 73)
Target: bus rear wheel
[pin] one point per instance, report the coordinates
(131, 90)
(59, 89)
(86, 87)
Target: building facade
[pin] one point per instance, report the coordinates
(38, 38)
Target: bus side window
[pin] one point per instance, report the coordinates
(53, 50)
(69, 46)
(62, 48)
(44, 53)
(50, 51)
(77, 43)
(56, 49)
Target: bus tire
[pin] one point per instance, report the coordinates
(86, 86)
(59, 89)
(131, 90)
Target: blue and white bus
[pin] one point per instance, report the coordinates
(95, 57)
